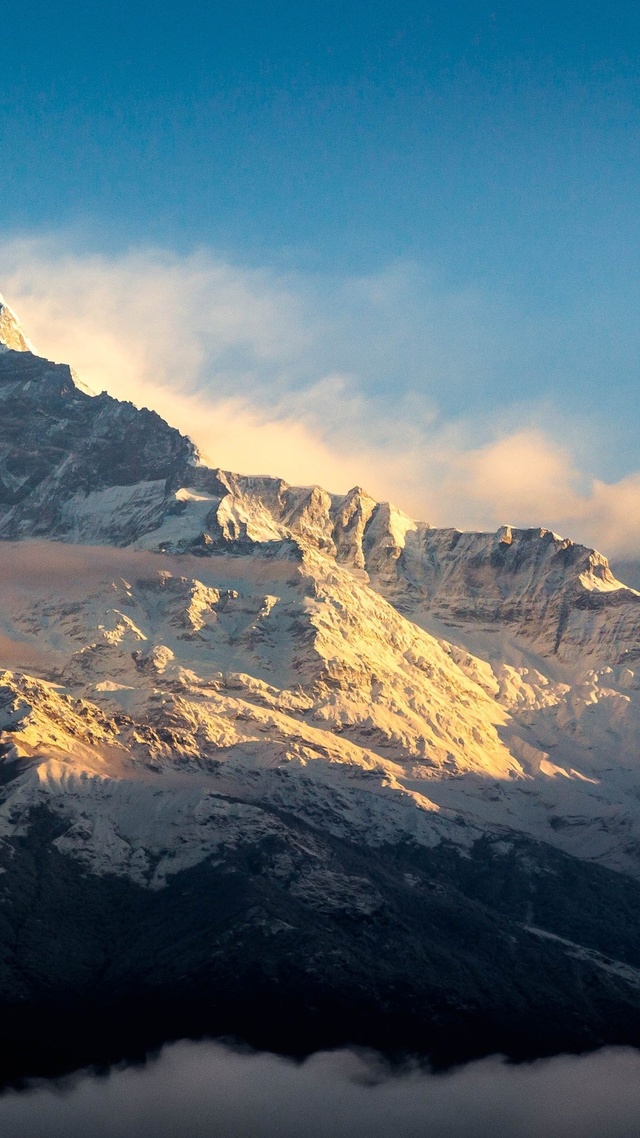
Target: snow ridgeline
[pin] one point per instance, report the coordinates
(280, 646)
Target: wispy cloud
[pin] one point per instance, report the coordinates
(331, 380)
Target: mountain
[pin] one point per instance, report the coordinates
(12, 334)
(293, 767)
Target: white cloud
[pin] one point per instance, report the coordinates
(316, 380)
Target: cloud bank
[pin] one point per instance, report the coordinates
(209, 1091)
(318, 380)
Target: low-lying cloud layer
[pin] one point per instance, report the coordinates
(330, 381)
(209, 1091)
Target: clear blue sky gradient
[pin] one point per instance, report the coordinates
(496, 144)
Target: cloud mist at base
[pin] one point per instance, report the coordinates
(206, 1090)
(336, 381)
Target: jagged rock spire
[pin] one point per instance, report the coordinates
(12, 334)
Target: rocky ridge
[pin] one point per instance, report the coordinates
(202, 668)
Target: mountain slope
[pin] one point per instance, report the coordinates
(324, 709)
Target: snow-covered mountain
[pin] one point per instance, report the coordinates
(12, 334)
(405, 750)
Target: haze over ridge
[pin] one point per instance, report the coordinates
(258, 367)
(208, 1091)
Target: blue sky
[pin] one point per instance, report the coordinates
(477, 163)
(498, 139)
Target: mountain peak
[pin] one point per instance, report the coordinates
(12, 334)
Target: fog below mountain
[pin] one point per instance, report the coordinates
(207, 1090)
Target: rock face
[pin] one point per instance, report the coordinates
(299, 756)
(12, 334)
(96, 470)
(60, 446)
